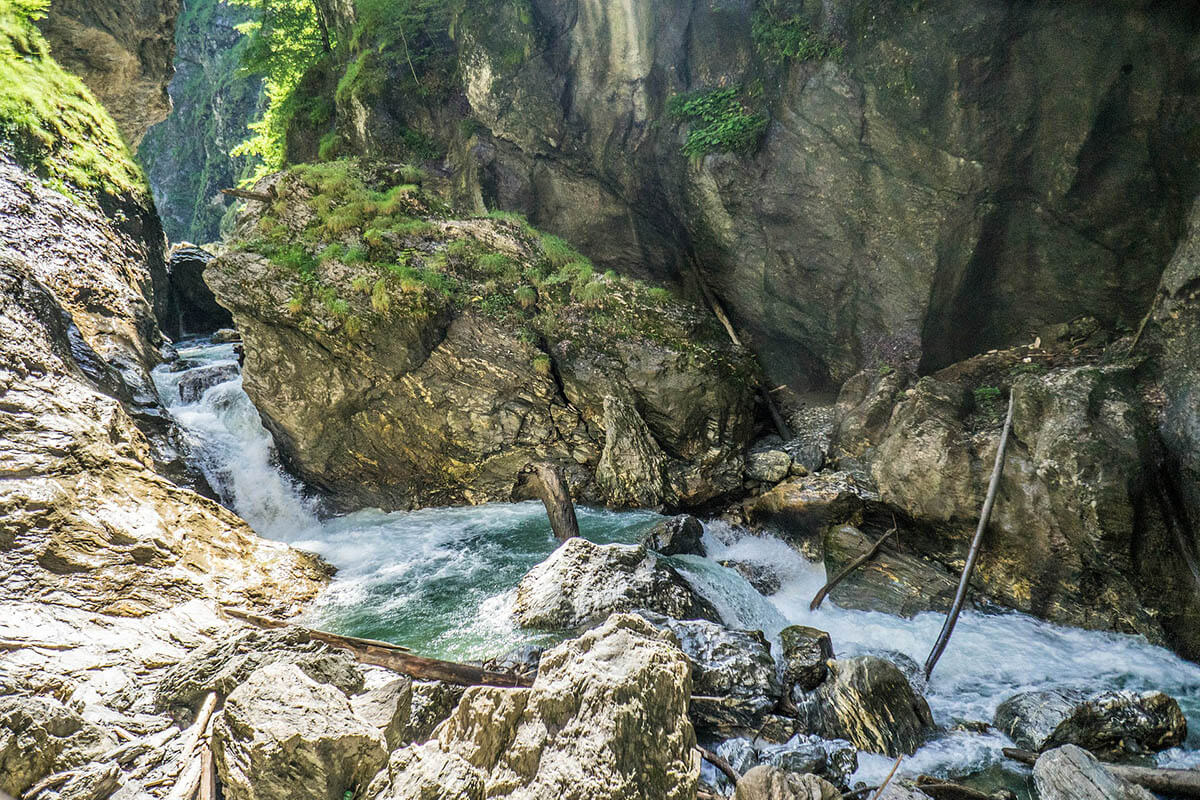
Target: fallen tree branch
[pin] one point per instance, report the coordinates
(859, 792)
(853, 565)
(973, 554)
(888, 779)
(21, 644)
(208, 775)
(546, 482)
(397, 658)
(1176, 782)
(940, 789)
(720, 763)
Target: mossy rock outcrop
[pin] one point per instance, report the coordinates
(404, 358)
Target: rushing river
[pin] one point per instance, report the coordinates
(441, 581)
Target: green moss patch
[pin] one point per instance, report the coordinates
(51, 123)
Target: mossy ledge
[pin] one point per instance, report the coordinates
(363, 268)
(52, 125)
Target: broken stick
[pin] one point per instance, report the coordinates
(853, 565)
(395, 657)
(545, 481)
(720, 763)
(973, 554)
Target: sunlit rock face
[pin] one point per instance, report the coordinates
(124, 52)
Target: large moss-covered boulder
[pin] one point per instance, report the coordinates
(403, 358)
(606, 719)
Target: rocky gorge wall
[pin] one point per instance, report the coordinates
(933, 180)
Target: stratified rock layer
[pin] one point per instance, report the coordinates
(606, 719)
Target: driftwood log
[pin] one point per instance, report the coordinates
(853, 565)
(973, 554)
(1174, 782)
(720, 763)
(940, 789)
(545, 482)
(395, 657)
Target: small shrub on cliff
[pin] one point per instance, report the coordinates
(719, 120)
(526, 296)
(782, 34)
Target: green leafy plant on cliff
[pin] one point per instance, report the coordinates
(782, 34)
(285, 40)
(720, 121)
(49, 121)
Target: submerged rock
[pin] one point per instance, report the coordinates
(733, 665)
(282, 734)
(1072, 773)
(762, 577)
(772, 783)
(805, 651)
(581, 583)
(867, 701)
(1110, 724)
(196, 382)
(606, 719)
(676, 536)
(833, 760)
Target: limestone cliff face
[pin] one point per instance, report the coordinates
(961, 176)
(124, 53)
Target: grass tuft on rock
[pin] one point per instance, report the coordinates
(51, 124)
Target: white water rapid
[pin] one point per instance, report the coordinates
(441, 581)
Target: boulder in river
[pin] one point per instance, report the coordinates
(768, 465)
(606, 719)
(282, 734)
(226, 336)
(867, 701)
(734, 665)
(1072, 773)
(762, 577)
(1110, 724)
(766, 782)
(196, 382)
(581, 583)
(676, 536)
(800, 509)
(805, 651)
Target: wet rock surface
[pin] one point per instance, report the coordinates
(805, 652)
(606, 717)
(679, 535)
(1109, 724)
(733, 665)
(1072, 773)
(191, 306)
(868, 702)
(582, 583)
(765, 580)
(198, 381)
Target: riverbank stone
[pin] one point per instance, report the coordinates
(1072, 773)
(676, 536)
(1109, 724)
(805, 651)
(867, 701)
